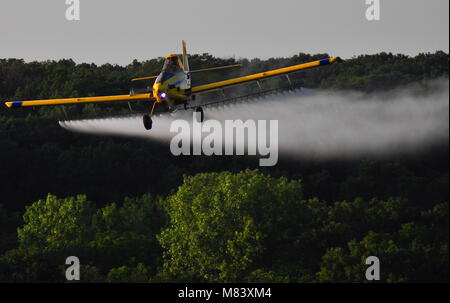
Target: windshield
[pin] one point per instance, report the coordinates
(170, 68)
(171, 65)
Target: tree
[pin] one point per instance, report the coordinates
(127, 235)
(107, 238)
(416, 252)
(57, 223)
(223, 225)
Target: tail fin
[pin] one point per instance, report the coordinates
(185, 57)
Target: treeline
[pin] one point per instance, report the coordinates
(224, 227)
(64, 78)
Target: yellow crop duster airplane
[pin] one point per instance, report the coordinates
(173, 86)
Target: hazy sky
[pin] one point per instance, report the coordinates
(117, 31)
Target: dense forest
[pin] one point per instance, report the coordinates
(131, 211)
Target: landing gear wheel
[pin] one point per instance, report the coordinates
(147, 121)
(198, 109)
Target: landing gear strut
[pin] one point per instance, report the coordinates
(198, 109)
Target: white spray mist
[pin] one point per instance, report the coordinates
(314, 123)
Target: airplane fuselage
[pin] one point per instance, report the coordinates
(172, 85)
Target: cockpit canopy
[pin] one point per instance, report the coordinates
(172, 65)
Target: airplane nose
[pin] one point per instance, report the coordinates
(158, 92)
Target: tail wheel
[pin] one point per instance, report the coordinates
(147, 121)
(202, 115)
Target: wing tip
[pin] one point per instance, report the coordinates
(13, 104)
(336, 59)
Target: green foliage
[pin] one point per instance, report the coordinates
(260, 276)
(416, 252)
(253, 227)
(220, 224)
(103, 239)
(57, 223)
(127, 234)
(226, 227)
(128, 274)
(91, 274)
(31, 264)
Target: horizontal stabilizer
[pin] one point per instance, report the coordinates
(214, 68)
(144, 78)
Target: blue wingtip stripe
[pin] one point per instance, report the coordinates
(17, 104)
(325, 61)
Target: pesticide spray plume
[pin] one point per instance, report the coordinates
(318, 123)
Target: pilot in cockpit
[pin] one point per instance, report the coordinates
(171, 64)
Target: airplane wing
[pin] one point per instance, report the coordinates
(118, 98)
(255, 77)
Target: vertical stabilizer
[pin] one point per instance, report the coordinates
(185, 57)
